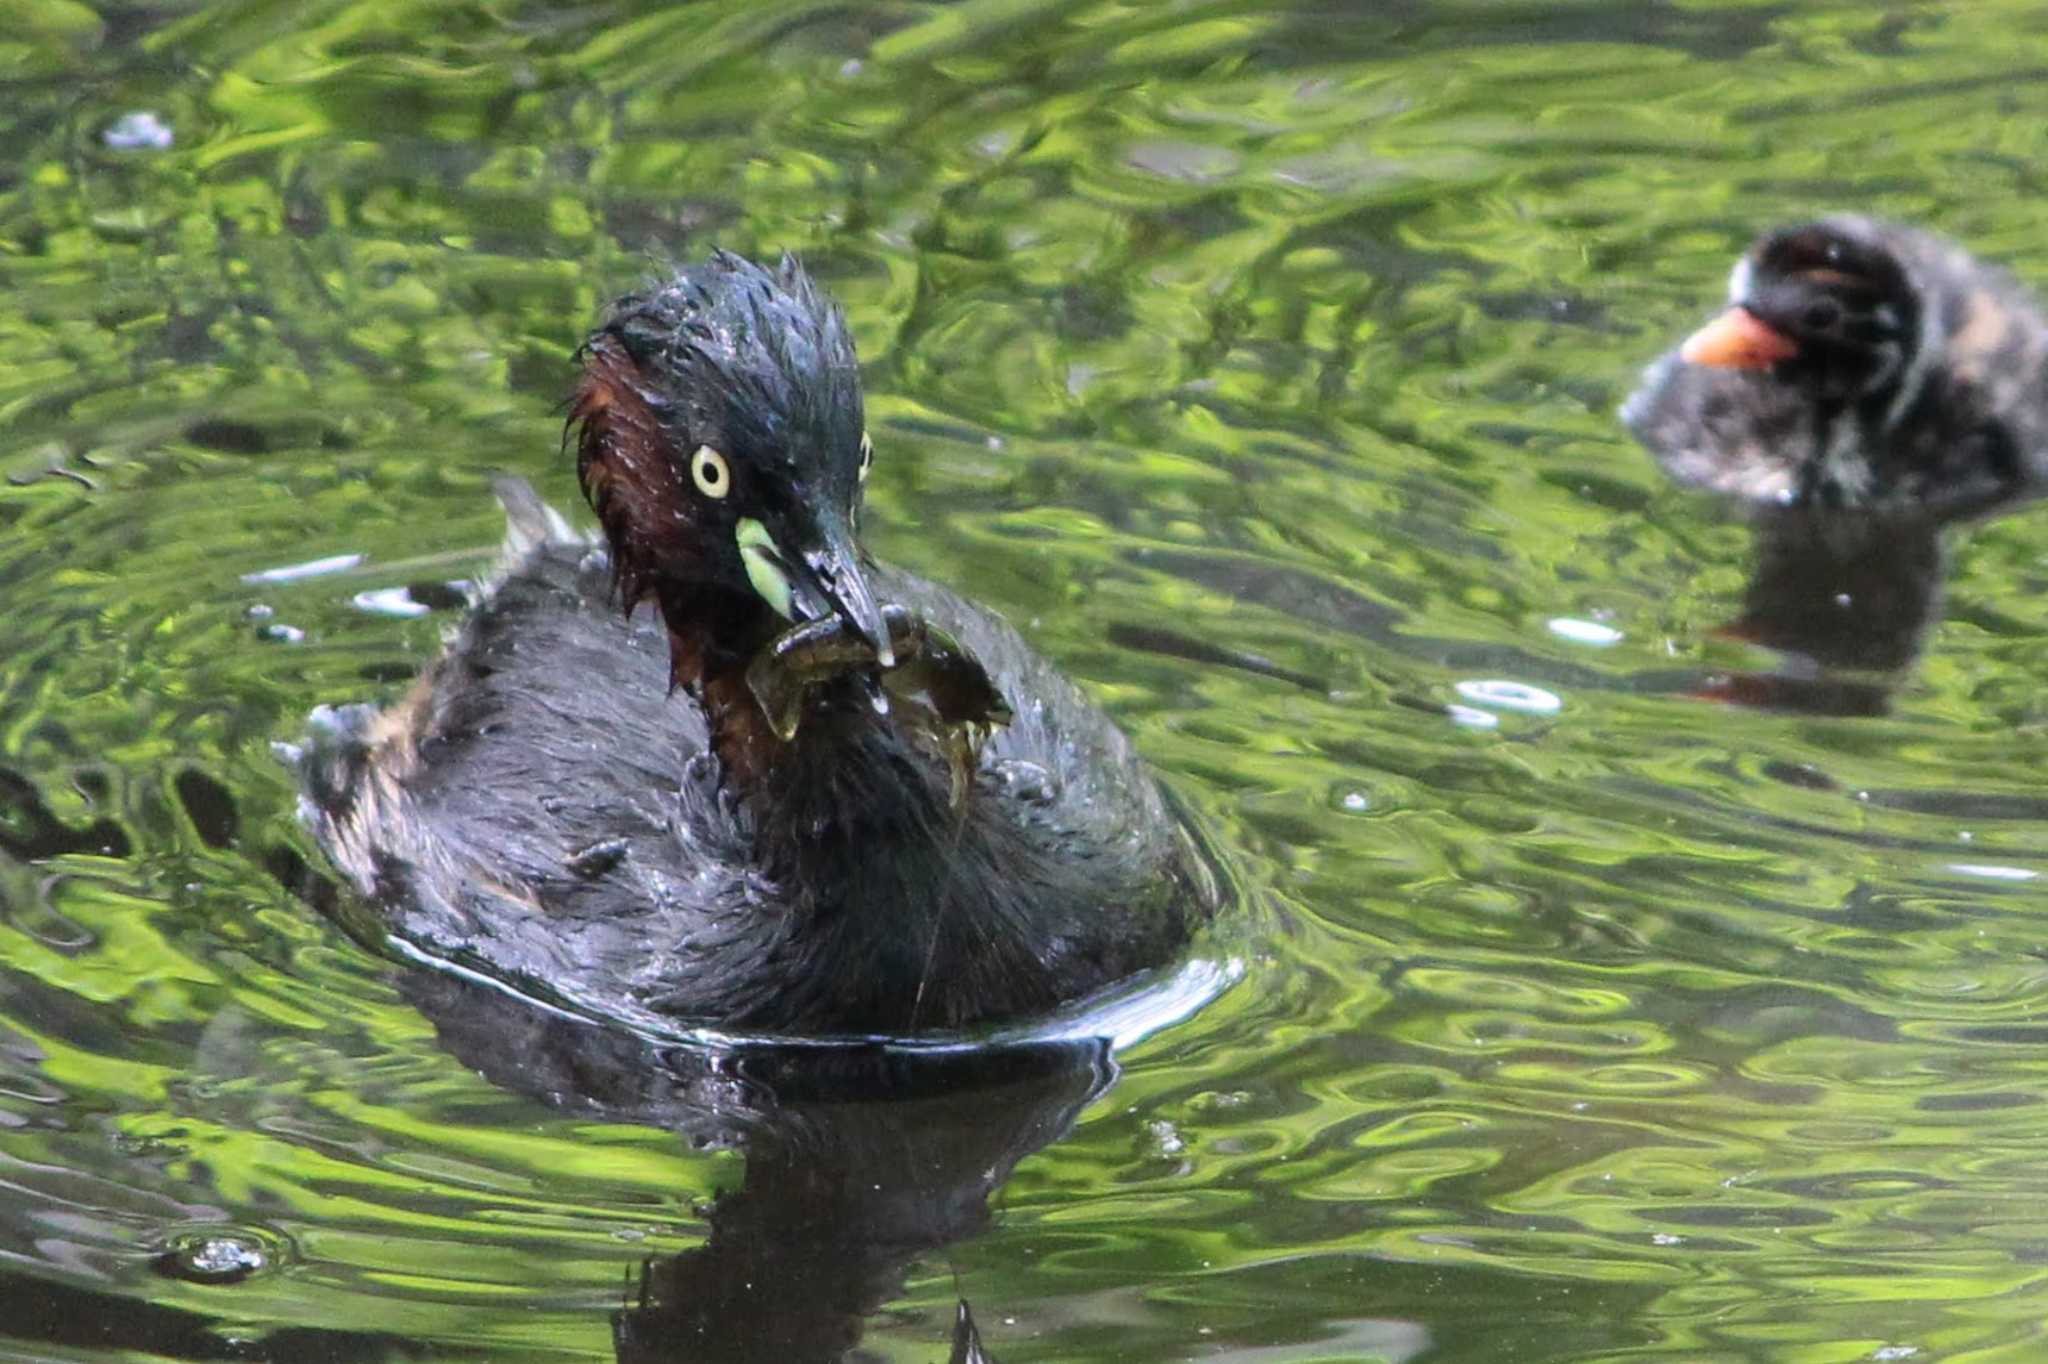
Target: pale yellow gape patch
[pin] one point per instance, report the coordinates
(763, 561)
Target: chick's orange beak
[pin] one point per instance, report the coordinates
(1737, 339)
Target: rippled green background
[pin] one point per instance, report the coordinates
(1646, 1029)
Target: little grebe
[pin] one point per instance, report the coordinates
(1859, 366)
(818, 795)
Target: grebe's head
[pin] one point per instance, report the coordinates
(721, 441)
(1858, 364)
(1829, 307)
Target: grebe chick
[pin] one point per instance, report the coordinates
(601, 808)
(1861, 367)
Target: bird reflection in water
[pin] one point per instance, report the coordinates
(1845, 603)
(1867, 386)
(861, 1161)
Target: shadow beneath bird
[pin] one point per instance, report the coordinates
(861, 1161)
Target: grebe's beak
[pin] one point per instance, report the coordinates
(1738, 339)
(808, 568)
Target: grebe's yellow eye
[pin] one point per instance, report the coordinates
(867, 456)
(712, 473)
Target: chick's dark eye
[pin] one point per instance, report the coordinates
(1821, 315)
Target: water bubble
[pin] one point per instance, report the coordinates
(389, 601)
(1511, 696)
(1584, 631)
(218, 1254)
(311, 568)
(1166, 1138)
(139, 131)
(1992, 872)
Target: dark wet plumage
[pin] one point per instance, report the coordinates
(1897, 375)
(591, 805)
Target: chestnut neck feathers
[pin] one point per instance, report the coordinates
(720, 440)
(1860, 366)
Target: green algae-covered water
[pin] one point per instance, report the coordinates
(1260, 360)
